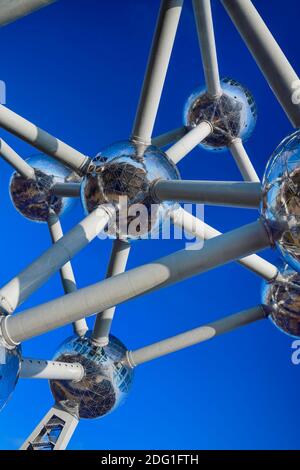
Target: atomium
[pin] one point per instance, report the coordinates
(122, 175)
(106, 383)
(282, 300)
(232, 114)
(92, 371)
(281, 204)
(10, 360)
(34, 198)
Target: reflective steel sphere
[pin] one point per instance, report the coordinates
(281, 198)
(232, 114)
(282, 299)
(122, 175)
(34, 198)
(106, 383)
(10, 360)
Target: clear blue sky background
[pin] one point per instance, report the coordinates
(76, 68)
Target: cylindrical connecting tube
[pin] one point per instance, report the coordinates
(113, 291)
(66, 271)
(117, 265)
(11, 157)
(31, 278)
(268, 55)
(195, 336)
(51, 370)
(221, 193)
(189, 141)
(43, 141)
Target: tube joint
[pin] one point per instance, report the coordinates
(10, 343)
(128, 359)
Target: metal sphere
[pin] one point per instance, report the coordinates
(282, 299)
(10, 360)
(106, 382)
(34, 198)
(281, 200)
(232, 114)
(122, 174)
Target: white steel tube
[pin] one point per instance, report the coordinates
(195, 336)
(169, 137)
(196, 227)
(135, 282)
(51, 370)
(161, 49)
(11, 157)
(66, 271)
(189, 141)
(243, 161)
(222, 193)
(67, 189)
(11, 10)
(206, 37)
(117, 265)
(43, 141)
(268, 55)
(31, 278)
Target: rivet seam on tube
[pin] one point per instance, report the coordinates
(9, 342)
(84, 167)
(138, 140)
(79, 366)
(210, 125)
(129, 359)
(153, 194)
(235, 140)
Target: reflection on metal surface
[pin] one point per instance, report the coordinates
(10, 360)
(34, 198)
(125, 171)
(282, 297)
(281, 200)
(107, 379)
(232, 114)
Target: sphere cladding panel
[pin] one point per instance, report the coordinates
(122, 175)
(233, 114)
(10, 360)
(106, 382)
(34, 198)
(282, 297)
(281, 204)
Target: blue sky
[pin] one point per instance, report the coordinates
(75, 69)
